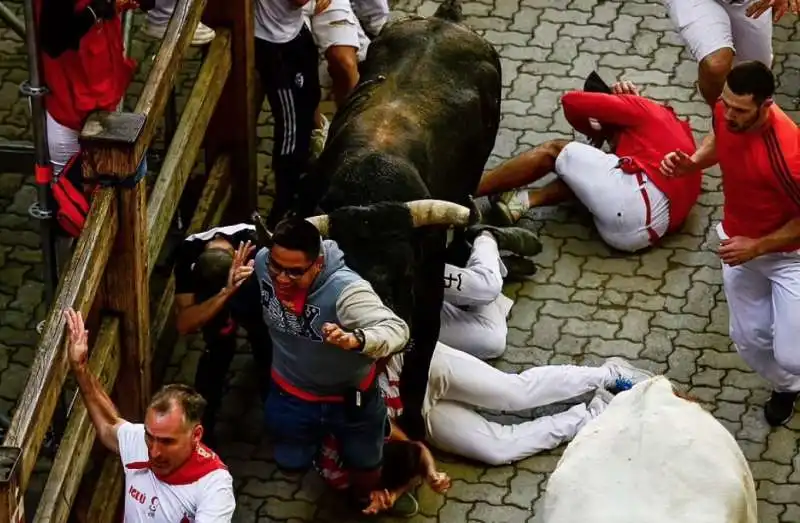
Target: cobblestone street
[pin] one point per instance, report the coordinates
(663, 310)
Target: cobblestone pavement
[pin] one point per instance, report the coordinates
(664, 310)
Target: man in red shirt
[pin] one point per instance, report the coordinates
(633, 204)
(758, 150)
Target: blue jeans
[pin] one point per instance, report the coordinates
(298, 427)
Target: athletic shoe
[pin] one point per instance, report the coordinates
(405, 507)
(318, 137)
(515, 239)
(779, 409)
(508, 207)
(624, 375)
(203, 35)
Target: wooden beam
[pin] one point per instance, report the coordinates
(233, 128)
(48, 371)
(105, 500)
(12, 505)
(127, 292)
(155, 94)
(108, 141)
(79, 436)
(185, 146)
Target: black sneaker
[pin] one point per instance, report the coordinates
(780, 408)
(515, 239)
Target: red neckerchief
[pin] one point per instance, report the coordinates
(203, 461)
(292, 298)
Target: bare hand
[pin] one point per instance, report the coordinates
(380, 500)
(737, 250)
(321, 5)
(439, 482)
(335, 335)
(77, 338)
(240, 270)
(779, 8)
(625, 87)
(677, 163)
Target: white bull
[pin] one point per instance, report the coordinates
(651, 457)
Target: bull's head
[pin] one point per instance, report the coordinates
(382, 242)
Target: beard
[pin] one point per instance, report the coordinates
(740, 127)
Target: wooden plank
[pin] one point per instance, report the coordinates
(155, 94)
(79, 436)
(48, 371)
(108, 140)
(233, 128)
(105, 500)
(127, 291)
(185, 146)
(12, 505)
(212, 202)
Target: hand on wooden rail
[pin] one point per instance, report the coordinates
(77, 340)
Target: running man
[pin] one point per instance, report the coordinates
(757, 147)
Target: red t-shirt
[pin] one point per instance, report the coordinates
(647, 132)
(760, 175)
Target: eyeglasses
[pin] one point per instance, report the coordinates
(293, 273)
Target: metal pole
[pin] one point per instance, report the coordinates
(11, 19)
(35, 92)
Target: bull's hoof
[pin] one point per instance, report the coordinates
(518, 268)
(515, 239)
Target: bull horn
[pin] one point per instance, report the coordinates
(321, 222)
(438, 212)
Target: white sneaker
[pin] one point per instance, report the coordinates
(203, 35)
(624, 375)
(318, 138)
(599, 402)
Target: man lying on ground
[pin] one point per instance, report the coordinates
(169, 474)
(474, 311)
(632, 203)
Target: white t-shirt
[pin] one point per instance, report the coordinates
(278, 21)
(208, 499)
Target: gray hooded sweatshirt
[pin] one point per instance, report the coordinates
(338, 295)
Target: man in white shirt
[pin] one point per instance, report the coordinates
(287, 62)
(169, 475)
(474, 311)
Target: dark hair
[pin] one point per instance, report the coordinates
(210, 271)
(189, 400)
(401, 463)
(753, 78)
(297, 234)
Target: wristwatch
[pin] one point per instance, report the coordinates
(359, 334)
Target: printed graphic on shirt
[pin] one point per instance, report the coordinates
(453, 281)
(278, 318)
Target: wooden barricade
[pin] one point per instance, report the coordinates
(114, 257)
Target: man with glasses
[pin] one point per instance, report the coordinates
(328, 327)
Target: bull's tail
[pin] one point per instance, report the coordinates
(450, 10)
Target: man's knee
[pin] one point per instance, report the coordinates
(342, 61)
(718, 64)
(554, 147)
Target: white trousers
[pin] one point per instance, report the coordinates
(612, 196)
(373, 14)
(337, 25)
(62, 144)
(459, 382)
(710, 25)
(764, 307)
(479, 330)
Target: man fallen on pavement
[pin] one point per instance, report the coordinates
(632, 203)
(327, 327)
(169, 474)
(210, 268)
(474, 311)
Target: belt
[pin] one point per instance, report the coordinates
(654, 237)
(288, 388)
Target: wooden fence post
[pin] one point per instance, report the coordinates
(233, 127)
(12, 506)
(127, 283)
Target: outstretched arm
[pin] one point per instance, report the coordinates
(105, 416)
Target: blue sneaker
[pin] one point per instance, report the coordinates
(624, 375)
